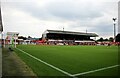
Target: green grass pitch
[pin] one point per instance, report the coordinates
(72, 59)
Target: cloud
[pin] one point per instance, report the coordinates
(69, 10)
(74, 10)
(33, 17)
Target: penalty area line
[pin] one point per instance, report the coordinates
(56, 68)
(88, 72)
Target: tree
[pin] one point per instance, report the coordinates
(40, 38)
(111, 39)
(29, 37)
(101, 39)
(118, 38)
(21, 37)
(106, 39)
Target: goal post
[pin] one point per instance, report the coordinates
(12, 38)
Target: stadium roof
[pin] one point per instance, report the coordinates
(71, 32)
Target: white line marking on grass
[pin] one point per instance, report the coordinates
(58, 69)
(64, 72)
(79, 74)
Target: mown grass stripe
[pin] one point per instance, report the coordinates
(56, 68)
(88, 72)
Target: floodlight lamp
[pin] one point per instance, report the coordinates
(114, 20)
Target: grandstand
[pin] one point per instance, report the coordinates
(68, 37)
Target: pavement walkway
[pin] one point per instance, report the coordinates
(12, 65)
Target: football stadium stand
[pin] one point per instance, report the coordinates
(68, 37)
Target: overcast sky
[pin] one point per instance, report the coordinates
(33, 17)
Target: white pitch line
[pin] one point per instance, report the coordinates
(64, 72)
(56, 68)
(79, 74)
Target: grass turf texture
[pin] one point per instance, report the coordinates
(72, 59)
